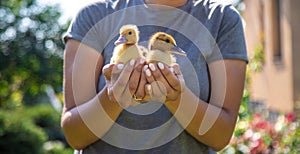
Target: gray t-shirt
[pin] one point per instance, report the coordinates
(205, 30)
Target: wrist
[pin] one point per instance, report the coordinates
(111, 107)
(173, 104)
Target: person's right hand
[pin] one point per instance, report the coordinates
(125, 81)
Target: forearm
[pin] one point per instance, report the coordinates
(88, 122)
(216, 128)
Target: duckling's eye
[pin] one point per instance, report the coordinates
(129, 33)
(167, 40)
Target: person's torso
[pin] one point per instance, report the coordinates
(150, 127)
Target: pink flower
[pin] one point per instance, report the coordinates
(257, 146)
(261, 125)
(248, 134)
(290, 117)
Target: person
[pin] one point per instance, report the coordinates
(191, 107)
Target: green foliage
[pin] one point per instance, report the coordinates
(255, 65)
(32, 130)
(19, 135)
(45, 117)
(56, 148)
(258, 59)
(30, 52)
(291, 141)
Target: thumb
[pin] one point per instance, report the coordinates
(107, 71)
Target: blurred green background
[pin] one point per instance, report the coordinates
(31, 74)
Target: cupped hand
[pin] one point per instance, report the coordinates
(167, 83)
(126, 83)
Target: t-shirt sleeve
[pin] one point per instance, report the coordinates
(84, 28)
(230, 41)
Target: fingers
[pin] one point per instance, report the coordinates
(176, 81)
(148, 74)
(116, 70)
(157, 75)
(120, 78)
(137, 80)
(179, 75)
(173, 76)
(107, 71)
(141, 91)
(164, 81)
(148, 91)
(120, 75)
(128, 83)
(156, 89)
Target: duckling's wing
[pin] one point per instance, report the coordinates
(143, 51)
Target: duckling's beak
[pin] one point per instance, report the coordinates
(177, 50)
(121, 39)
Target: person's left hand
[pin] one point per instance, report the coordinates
(136, 83)
(167, 83)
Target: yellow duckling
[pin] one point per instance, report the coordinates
(161, 47)
(127, 45)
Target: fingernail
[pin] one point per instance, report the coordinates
(161, 65)
(152, 67)
(132, 61)
(148, 72)
(120, 66)
(172, 69)
(145, 68)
